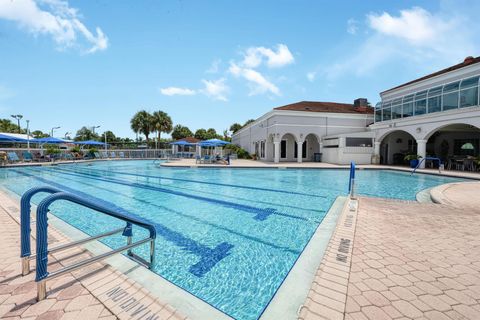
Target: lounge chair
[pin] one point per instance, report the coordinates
(112, 154)
(198, 159)
(121, 154)
(97, 155)
(12, 157)
(104, 154)
(68, 156)
(27, 156)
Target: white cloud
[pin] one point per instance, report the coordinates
(216, 89)
(352, 26)
(175, 91)
(254, 56)
(415, 25)
(257, 82)
(414, 37)
(311, 76)
(55, 18)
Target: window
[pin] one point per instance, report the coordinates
(283, 149)
(358, 142)
(434, 100)
(408, 106)
(450, 96)
(378, 112)
(256, 148)
(262, 149)
(420, 103)
(387, 110)
(397, 108)
(469, 92)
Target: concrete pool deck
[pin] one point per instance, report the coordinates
(387, 259)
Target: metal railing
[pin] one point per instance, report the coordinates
(42, 250)
(429, 158)
(351, 181)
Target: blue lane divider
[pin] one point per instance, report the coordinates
(208, 256)
(202, 182)
(261, 214)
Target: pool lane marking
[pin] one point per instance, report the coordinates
(205, 182)
(208, 257)
(261, 214)
(293, 251)
(236, 198)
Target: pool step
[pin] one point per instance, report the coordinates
(424, 196)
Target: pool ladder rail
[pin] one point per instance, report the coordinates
(440, 164)
(42, 250)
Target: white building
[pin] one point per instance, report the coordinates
(437, 115)
(297, 131)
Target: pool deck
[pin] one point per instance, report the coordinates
(400, 260)
(387, 259)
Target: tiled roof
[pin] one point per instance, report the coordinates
(189, 139)
(329, 107)
(468, 61)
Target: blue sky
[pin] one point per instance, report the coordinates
(213, 63)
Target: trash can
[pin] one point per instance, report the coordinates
(317, 157)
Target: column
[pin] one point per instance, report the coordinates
(299, 151)
(422, 151)
(276, 151)
(376, 152)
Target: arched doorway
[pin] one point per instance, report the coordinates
(287, 147)
(395, 146)
(310, 147)
(455, 144)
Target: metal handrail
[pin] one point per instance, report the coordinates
(428, 158)
(351, 181)
(42, 251)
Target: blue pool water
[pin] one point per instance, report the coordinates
(228, 236)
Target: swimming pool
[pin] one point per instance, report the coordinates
(228, 236)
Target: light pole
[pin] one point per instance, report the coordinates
(28, 135)
(66, 134)
(53, 129)
(93, 129)
(18, 117)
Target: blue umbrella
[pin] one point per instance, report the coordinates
(51, 140)
(182, 143)
(90, 143)
(213, 143)
(8, 138)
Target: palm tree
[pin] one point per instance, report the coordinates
(162, 122)
(142, 122)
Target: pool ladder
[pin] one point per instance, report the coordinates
(42, 250)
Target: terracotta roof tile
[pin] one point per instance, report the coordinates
(330, 107)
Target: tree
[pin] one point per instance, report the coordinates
(180, 132)
(39, 134)
(211, 133)
(201, 134)
(111, 138)
(162, 122)
(248, 122)
(235, 127)
(226, 136)
(86, 134)
(142, 122)
(8, 126)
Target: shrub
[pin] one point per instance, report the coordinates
(52, 150)
(241, 153)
